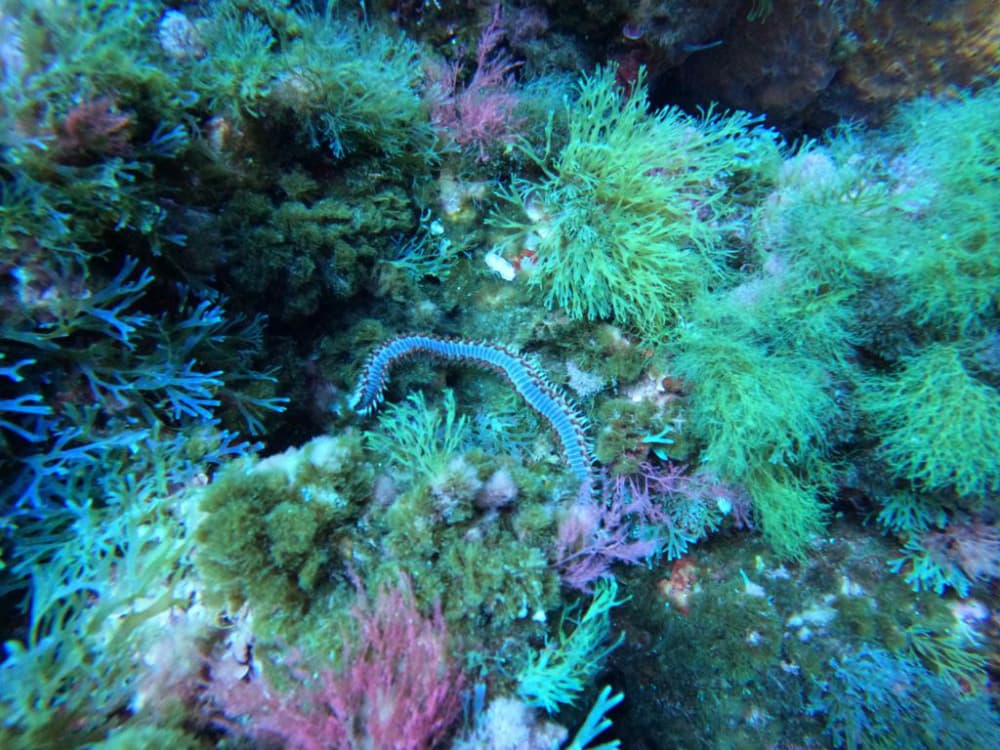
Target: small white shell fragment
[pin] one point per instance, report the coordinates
(500, 266)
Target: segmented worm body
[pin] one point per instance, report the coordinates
(525, 376)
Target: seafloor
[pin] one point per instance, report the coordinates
(510, 375)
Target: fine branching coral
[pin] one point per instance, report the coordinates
(397, 685)
(874, 698)
(558, 672)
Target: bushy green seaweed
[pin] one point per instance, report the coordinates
(835, 216)
(900, 225)
(764, 416)
(890, 237)
(951, 269)
(417, 439)
(936, 422)
(628, 218)
(331, 81)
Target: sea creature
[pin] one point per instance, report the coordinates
(523, 374)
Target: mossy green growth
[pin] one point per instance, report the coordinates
(599, 348)
(622, 425)
(487, 569)
(65, 54)
(713, 663)
(316, 244)
(620, 359)
(272, 529)
(471, 530)
(494, 578)
(756, 634)
(936, 422)
(627, 221)
(716, 628)
(86, 116)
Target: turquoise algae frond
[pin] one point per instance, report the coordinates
(526, 377)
